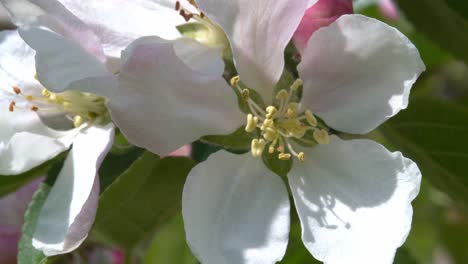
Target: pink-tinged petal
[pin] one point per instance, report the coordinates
(120, 22)
(53, 15)
(69, 210)
(183, 151)
(9, 238)
(166, 99)
(12, 209)
(235, 211)
(14, 205)
(321, 14)
(354, 199)
(258, 31)
(358, 72)
(389, 9)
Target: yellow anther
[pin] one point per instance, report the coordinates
(53, 97)
(293, 108)
(270, 134)
(271, 112)
(245, 94)
(77, 120)
(321, 136)
(257, 146)
(297, 83)
(45, 92)
(235, 80)
(284, 156)
(271, 149)
(301, 156)
(66, 105)
(252, 122)
(268, 123)
(311, 118)
(29, 97)
(283, 94)
(298, 132)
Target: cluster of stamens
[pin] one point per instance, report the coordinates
(186, 14)
(77, 106)
(280, 123)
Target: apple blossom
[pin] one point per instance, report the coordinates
(353, 197)
(28, 111)
(76, 45)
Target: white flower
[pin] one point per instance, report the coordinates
(26, 109)
(77, 47)
(353, 197)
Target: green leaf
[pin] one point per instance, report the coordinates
(237, 141)
(115, 164)
(10, 183)
(403, 256)
(440, 23)
(27, 253)
(141, 200)
(434, 134)
(169, 245)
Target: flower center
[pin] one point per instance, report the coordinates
(281, 124)
(78, 107)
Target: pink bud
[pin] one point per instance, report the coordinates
(321, 14)
(388, 9)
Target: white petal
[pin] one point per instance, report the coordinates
(25, 142)
(358, 72)
(69, 210)
(235, 211)
(52, 15)
(119, 22)
(258, 31)
(163, 103)
(60, 61)
(16, 63)
(354, 201)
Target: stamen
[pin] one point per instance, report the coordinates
(245, 94)
(177, 5)
(297, 83)
(252, 122)
(185, 15)
(271, 112)
(321, 136)
(16, 89)
(77, 120)
(284, 156)
(257, 146)
(12, 105)
(235, 80)
(34, 108)
(301, 156)
(311, 118)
